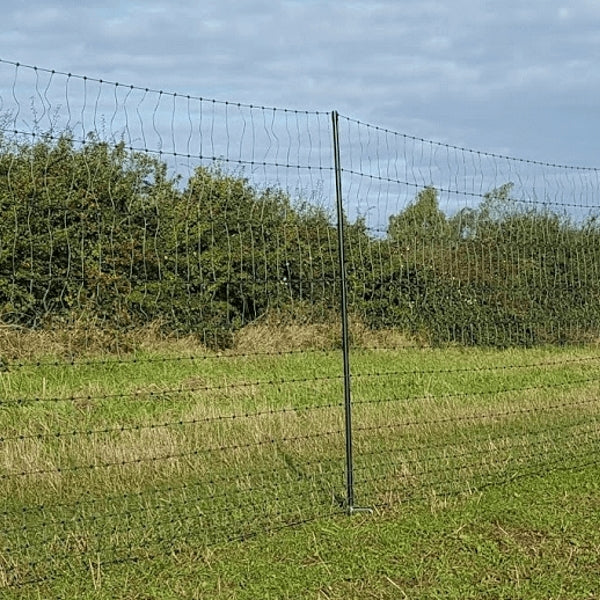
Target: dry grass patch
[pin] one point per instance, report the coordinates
(276, 335)
(90, 338)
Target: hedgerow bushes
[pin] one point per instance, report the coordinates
(98, 231)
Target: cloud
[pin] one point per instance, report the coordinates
(382, 60)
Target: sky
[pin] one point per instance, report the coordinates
(512, 77)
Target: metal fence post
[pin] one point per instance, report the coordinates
(344, 315)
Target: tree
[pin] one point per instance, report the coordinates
(421, 221)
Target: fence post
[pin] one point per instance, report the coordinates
(344, 314)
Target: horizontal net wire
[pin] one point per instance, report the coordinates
(168, 323)
(450, 248)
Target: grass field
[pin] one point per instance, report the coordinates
(182, 474)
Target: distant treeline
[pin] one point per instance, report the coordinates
(97, 231)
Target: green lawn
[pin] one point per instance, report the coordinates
(203, 476)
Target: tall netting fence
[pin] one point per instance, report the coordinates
(170, 317)
(168, 276)
(477, 278)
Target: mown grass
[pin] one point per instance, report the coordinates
(190, 474)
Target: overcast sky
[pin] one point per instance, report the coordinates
(517, 77)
